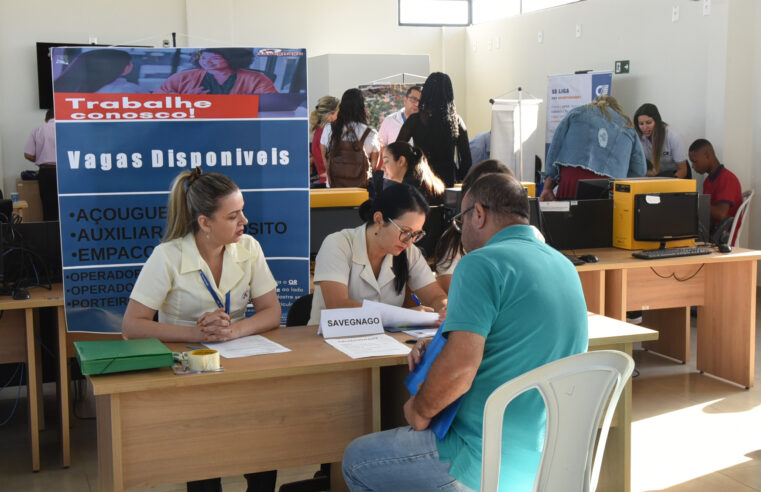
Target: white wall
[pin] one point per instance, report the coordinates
(703, 72)
(333, 74)
(338, 26)
(669, 62)
(22, 24)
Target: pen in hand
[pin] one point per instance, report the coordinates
(414, 298)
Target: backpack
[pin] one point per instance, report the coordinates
(348, 164)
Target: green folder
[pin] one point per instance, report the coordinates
(105, 357)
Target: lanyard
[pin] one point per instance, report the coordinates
(214, 294)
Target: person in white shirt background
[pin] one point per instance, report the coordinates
(392, 123)
(40, 149)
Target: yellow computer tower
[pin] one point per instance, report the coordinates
(530, 188)
(623, 208)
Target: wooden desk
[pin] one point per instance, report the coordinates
(11, 330)
(723, 286)
(270, 411)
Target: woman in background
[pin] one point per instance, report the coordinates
(593, 141)
(201, 277)
(439, 131)
(377, 260)
(220, 71)
(663, 147)
(350, 125)
(405, 163)
(325, 112)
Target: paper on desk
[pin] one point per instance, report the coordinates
(421, 332)
(246, 346)
(369, 346)
(399, 316)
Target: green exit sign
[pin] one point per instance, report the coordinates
(622, 66)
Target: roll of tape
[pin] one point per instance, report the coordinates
(203, 360)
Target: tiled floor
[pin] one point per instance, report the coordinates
(690, 433)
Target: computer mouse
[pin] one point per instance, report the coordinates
(589, 258)
(725, 248)
(20, 294)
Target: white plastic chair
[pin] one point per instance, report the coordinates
(575, 390)
(740, 217)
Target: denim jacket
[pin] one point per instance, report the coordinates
(585, 138)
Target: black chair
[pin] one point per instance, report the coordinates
(300, 311)
(299, 315)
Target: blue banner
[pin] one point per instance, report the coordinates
(120, 149)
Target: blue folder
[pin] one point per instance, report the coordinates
(443, 420)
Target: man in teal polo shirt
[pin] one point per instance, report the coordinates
(514, 304)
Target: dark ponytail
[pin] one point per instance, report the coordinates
(419, 173)
(450, 243)
(393, 202)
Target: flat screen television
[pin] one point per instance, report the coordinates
(45, 70)
(663, 217)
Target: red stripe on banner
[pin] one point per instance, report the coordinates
(151, 107)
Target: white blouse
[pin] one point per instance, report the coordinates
(170, 281)
(343, 258)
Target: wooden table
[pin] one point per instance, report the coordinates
(610, 334)
(20, 331)
(271, 411)
(723, 286)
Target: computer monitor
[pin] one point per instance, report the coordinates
(592, 189)
(664, 217)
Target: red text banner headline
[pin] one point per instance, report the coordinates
(151, 107)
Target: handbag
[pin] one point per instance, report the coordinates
(348, 164)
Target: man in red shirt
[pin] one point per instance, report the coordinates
(721, 183)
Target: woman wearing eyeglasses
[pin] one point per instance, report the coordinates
(378, 260)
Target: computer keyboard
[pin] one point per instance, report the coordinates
(655, 254)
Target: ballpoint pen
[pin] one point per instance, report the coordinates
(414, 298)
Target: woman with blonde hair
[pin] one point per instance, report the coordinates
(202, 276)
(593, 141)
(325, 112)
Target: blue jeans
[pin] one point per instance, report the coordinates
(400, 460)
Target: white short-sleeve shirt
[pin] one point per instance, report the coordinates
(343, 258)
(390, 127)
(372, 144)
(170, 281)
(672, 153)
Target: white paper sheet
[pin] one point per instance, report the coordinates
(370, 346)
(246, 346)
(393, 316)
(422, 332)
